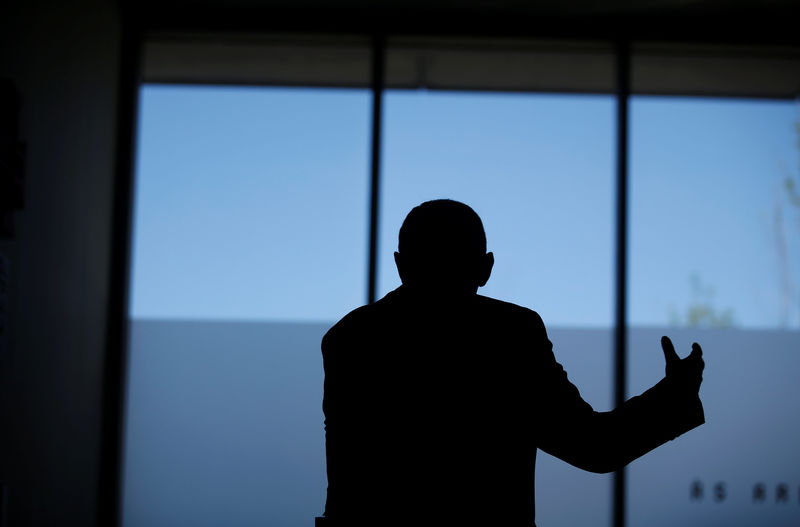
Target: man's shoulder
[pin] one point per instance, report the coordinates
(370, 318)
(354, 319)
(508, 311)
(361, 319)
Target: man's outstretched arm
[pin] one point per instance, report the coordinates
(568, 427)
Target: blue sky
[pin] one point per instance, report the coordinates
(251, 203)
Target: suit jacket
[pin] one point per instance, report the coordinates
(434, 411)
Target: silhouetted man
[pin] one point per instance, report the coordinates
(436, 398)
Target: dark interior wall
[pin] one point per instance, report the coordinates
(64, 59)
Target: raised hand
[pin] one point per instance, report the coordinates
(688, 371)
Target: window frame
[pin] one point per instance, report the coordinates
(635, 68)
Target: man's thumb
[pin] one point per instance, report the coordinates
(669, 350)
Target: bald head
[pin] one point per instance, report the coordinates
(442, 246)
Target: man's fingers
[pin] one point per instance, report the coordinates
(669, 350)
(697, 356)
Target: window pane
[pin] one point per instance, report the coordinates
(715, 258)
(538, 169)
(250, 203)
(250, 241)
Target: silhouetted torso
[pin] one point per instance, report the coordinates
(435, 409)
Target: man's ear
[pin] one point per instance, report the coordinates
(401, 270)
(485, 269)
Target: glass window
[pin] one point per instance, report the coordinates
(250, 203)
(249, 242)
(539, 170)
(715, 258)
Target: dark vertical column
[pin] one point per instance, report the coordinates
(620, 312)
(378, 66)
(115, 368)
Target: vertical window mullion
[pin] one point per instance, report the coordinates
(378, 66)
(620, 294)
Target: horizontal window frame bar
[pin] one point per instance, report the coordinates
(471, 64)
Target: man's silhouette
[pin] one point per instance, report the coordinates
(437, 398)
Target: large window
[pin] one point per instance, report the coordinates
(250, 240)
(252, 236)
(539, 171)
(715, 258)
